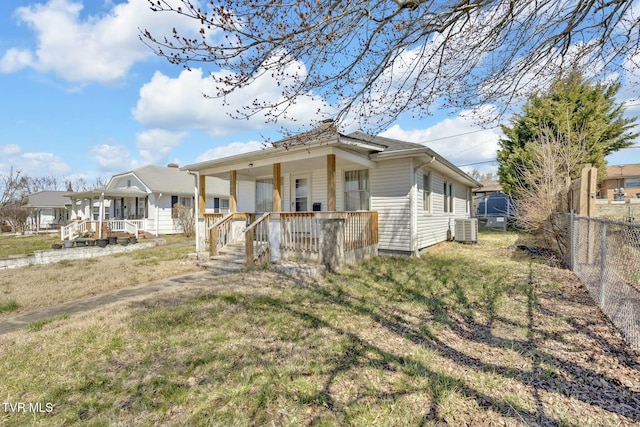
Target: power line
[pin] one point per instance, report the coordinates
(478, 163)
(459, 134)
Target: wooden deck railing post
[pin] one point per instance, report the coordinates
(213, 241)
(248, 247)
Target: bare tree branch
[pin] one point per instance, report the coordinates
(378, 59)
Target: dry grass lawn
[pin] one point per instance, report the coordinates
(465, 336)
(25, 289)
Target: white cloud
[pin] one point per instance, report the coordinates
(230, 150)
(37, 164)
(112, 158)
(178, 103)
(15, 60)
(459, 139)
(154, 145)
(100, 48)
(9, 149)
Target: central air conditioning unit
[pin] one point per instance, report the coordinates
(466, 230)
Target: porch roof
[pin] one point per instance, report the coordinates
(116, 192)
(294, 158)
(308, 151)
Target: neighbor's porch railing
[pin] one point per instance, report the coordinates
(131, 226)
(74, 228)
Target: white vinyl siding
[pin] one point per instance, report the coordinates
(390, 195)
(433, 228)
(319, 188)
(128, 181)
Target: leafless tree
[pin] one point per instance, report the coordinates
(371, 61)
(17, 215)
(544, 186)
(13, 188)
(184, 219)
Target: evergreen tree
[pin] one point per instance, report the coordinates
(575, 110)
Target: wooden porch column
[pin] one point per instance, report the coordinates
(233, 201)
(331, 182)
(202, 195)
(277, 182)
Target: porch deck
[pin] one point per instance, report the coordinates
(331, 238)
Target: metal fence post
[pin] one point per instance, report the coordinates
(603, 263)
(571, 238)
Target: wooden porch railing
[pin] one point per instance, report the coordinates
(360, 230)
(221, 233)
(301, 234)
(299, 231)
(256, 241)
(211, 219)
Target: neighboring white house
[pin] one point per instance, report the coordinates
(147, 195)
(416, 193)
(48, 209)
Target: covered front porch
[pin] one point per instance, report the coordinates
(298, 204)
(333, 239)
(109, 212)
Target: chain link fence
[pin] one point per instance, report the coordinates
(605, 255)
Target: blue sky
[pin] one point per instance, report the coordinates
(82, 96)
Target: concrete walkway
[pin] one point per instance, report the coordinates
(231, 261)
(18, 321)
(214, 270)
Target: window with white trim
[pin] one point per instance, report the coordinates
(356, 190)
(426, 192)
(264, 195)
(448, 197)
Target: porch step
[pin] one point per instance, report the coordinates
(235, 250)
(230, 260)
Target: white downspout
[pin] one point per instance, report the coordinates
(101, 215)
(196, 214)
(414, 214)
(158, 214)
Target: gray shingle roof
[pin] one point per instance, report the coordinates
(170, 180)
(389, 143)
(48, 199)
